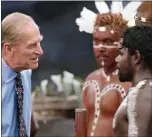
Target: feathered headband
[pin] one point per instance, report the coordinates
(87, 20)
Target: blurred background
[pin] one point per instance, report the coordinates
(68, 58)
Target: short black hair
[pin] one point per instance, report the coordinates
(139, 38)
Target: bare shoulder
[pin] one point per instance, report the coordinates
(143, 104)
(90, 86)
(94, 75)
(92, 81)
(142, 97)
(145, 93)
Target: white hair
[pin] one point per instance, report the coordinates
(12, 26)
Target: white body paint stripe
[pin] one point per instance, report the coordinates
(98, 96)
(104, 46)
(131, 106)
(95, 85)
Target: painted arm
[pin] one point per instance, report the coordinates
(140, 112)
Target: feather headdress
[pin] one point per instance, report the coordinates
(87, 20)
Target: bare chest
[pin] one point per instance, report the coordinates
(102, 96)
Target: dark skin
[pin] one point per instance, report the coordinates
(143, 99)
(106, 38)
(110, 102)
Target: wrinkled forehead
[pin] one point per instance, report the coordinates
(104, 33)
(30, 34)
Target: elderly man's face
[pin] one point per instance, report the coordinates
(27, 50)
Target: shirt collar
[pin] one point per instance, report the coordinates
(8, 74)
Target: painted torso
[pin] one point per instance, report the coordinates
(124, 122)
(102, 98)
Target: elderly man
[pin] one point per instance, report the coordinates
(133, 118)
(20, 52)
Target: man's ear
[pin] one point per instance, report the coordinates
(137, 57)
(8, 48)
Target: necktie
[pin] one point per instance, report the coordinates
(19, 96)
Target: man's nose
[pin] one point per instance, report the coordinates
(102, 49)
(117, 59)
(39, 51)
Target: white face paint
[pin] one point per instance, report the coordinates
(112, 32)
(106, 46)
(102, 63)
(102, 28)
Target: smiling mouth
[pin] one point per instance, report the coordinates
(35, 59)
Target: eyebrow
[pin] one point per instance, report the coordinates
(41, 37)
(104, 39)
(35, 41)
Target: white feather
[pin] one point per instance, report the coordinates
(43, 85)
(87, 14)
(68, 75)
(102, 7)
(58, 81)
(130, 11)
(86, 21)
(77, 86)
(117, 7)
